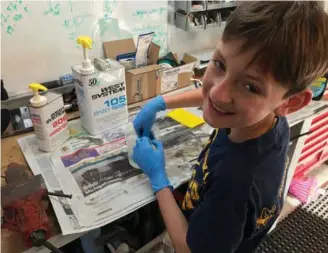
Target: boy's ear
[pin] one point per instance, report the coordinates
(294, 103)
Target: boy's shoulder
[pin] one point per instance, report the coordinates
(262, 169)
(259, 163)
(267, 150)
(269, 153)
(273, 142)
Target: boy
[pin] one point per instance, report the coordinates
(269, 53)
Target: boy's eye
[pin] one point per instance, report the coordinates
(219, 65)
(252, 88)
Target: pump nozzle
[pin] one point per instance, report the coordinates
(37, 100)
(86, 43)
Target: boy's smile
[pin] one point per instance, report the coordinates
(237, 94)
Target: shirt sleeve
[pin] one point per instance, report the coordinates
(217, 225)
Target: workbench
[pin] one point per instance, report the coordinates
(11, 152)
(10, 242)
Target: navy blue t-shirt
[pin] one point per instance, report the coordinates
(236, 191)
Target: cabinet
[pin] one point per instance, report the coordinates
(315, 148)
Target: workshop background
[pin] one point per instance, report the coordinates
(38, 45)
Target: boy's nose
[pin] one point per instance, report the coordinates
(221, 92)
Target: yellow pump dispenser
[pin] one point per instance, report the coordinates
(86, 42)
(37, 100)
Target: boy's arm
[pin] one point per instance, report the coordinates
(191, 98)
(176, 224)
(149, 155)
(145, 119)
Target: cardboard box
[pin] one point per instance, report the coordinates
(140, 82)
(177, 77)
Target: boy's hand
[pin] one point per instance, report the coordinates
(149, 155)
(146, 117)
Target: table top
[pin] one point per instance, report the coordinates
(11, 152)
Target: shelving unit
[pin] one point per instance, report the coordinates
(188, 7)
(315, 149)
(193, 15)
(182, 21)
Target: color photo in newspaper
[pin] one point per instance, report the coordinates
(86, 159)
(95, 169)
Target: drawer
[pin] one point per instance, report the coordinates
(315, 136)
(313, 146)
(312, 150)
(309, 163)
(319, 125)
(319, 129)
(320, 117)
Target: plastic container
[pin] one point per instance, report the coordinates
(101, 93)
(131, 137)
(49, 118)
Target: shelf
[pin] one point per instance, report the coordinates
(185, 14)
(229, 4)
(221, 5)
(182, 21)
(213, 6)
(187, 7)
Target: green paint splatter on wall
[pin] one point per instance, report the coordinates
(4, 19)
(70, 5)
(72, 35)
(52, 9)
(27, 10)
(10, 29)
(17, 17)
(13, 13)
(147, 13)
(109, 6)
(12, 7)
(76, 21)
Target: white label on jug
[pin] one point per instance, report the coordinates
(50, 125)
(109, 104)
(102, 99)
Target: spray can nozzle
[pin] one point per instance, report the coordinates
(86, 42)
(37, 100)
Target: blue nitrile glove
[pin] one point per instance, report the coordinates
(146, 117)
(149, 155)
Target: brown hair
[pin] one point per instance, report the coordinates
(290, 39)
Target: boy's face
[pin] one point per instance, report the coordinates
(237, 94)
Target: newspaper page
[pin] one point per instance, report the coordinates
(96, 171)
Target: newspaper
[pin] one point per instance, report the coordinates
(96, 171)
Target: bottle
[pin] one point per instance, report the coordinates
(131, 137)
(101, 93)
(49, 118)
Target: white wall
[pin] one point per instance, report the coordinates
(38, 38)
